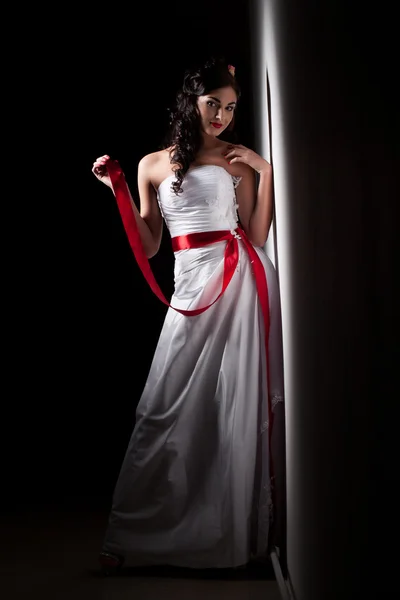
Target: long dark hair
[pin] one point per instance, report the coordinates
(184, 133)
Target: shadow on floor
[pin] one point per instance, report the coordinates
(53, 554)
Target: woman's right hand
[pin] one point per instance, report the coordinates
(100, 170)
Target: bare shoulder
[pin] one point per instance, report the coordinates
(149, 161)
(243, 170)
(153, 166)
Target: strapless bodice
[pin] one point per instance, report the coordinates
(207, 202)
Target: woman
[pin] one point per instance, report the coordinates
(195, 487)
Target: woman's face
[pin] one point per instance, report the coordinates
(216, 110)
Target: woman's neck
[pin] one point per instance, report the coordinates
(209, 143)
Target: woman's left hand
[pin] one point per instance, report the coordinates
(239, 153)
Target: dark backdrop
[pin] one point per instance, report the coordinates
(87, 324)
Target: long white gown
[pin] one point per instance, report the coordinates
(194, 488)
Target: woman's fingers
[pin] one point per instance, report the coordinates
(99, 168)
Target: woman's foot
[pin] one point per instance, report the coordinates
(110, 563)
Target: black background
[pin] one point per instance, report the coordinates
(84, 320)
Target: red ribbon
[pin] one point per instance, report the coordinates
(192, 240)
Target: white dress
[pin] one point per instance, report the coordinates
(194, 488)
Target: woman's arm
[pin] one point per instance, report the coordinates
(149, 219)
(255, 205)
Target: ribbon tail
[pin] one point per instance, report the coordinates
(129, 221)
(262, 289)
(123, 199)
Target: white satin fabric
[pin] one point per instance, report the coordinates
(194, 487)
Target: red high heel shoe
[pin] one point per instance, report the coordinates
(110, 563)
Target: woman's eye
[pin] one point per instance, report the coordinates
(213, 104)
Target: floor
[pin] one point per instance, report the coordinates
(53, 554)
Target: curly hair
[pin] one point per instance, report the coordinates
(184, 135)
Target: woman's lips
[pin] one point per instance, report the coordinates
(216, 125)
